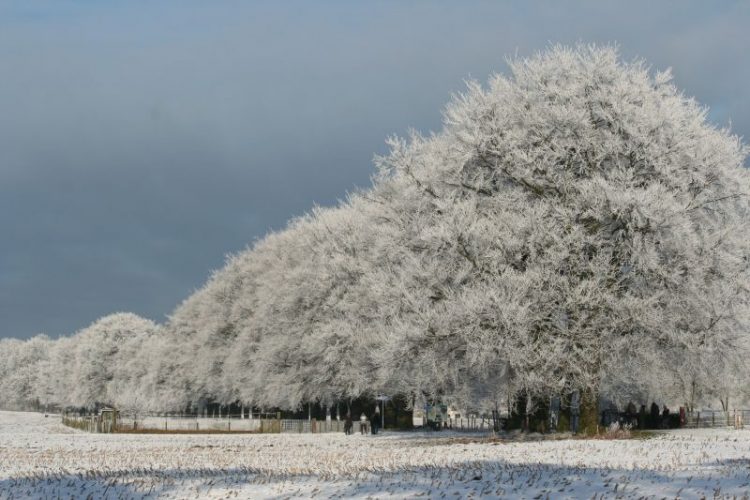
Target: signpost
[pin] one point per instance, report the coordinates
(382, 398)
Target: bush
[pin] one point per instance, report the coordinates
(617, 431)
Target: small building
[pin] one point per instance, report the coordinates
(108, 418)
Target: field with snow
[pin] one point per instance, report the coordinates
(41, 458)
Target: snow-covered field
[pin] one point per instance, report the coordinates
(39, 458)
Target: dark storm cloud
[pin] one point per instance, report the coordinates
(139, 143)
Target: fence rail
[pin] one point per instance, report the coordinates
(264, 424)
(717, 418)
(471, 424)
(460, 424)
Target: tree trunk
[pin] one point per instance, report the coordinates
(692, 394)
(589, 419)
(724, 403)
(496, 418)
(540, 416)
(518, 415)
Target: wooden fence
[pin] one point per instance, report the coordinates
(91, 423)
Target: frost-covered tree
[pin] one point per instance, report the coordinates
(309, 324)
(104, 363)
(59, 378)
(593, 206)
(23, 377)
(130, 387)
(102, 352)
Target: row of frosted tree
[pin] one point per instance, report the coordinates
(576, 225)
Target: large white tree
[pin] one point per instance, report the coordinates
(596, 203)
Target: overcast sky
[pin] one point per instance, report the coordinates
(140, 143)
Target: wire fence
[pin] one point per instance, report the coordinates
(112, 421)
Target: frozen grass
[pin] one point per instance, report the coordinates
(41, 458)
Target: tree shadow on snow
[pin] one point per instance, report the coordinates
(488, 479)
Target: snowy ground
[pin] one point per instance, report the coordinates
(41, 458)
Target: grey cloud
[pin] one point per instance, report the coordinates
(139, 143)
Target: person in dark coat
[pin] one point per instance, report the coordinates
(375, 421)
(654, 415)
(348, 424)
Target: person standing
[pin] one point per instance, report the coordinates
(363, 424)
(375, 421)
(654, 424)
(348, 424)
(665, 418)
(683, 416)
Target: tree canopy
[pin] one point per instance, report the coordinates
(577, 224)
